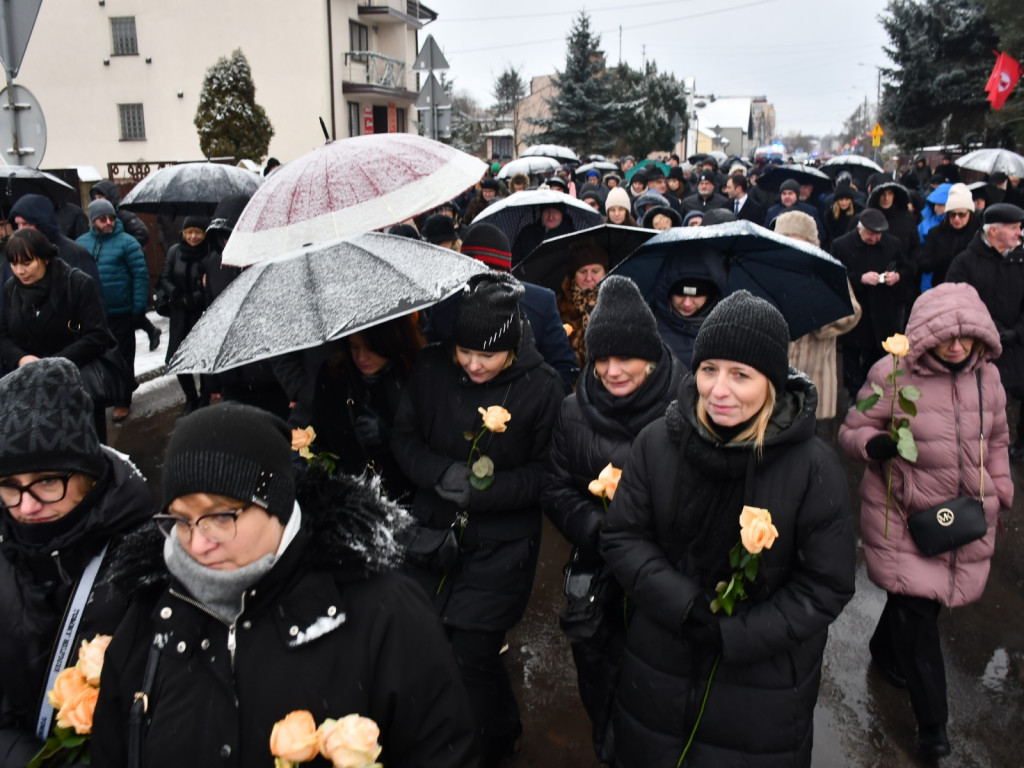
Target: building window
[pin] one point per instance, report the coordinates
(353, 118)
(400, 120)
(358, 37)
(122, 31)
(133, 122)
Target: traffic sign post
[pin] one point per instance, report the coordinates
(876, 138)
(22, 119)
(433, 104)
(16, 22)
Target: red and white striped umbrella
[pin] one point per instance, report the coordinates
(345, 188)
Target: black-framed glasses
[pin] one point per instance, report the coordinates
(218, 527)
(45, 490)
(106, 217)
(958, 214)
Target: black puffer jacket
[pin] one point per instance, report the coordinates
(182, 281)
(772, 646)
(330, 629)
(942, 245)
(999, 281)
(491, 586)
(594, 428)
(37, 583)
(677, 331)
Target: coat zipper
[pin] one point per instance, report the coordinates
(232, 627)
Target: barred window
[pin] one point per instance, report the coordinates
(122, 32)
(133, 122)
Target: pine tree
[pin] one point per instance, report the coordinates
(584, 115)
(229, 121)
(649, 100)
(509, 91)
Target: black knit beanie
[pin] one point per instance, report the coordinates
(748, 330)
(232, 450)
(621, 324)
(488, 316)
(46, 422)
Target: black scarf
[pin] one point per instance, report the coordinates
(33, 296)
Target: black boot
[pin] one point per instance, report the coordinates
(154, 338)
(932, 740)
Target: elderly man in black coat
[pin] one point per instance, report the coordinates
(994, 264)
(875, 264)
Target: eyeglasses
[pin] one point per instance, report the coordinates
(105, 217)
(45, 490)
(219, 527)
(958, 214)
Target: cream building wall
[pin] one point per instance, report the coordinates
(286, 45)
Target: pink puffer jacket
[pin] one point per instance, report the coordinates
(896, 564)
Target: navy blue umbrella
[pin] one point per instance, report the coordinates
(807, 285)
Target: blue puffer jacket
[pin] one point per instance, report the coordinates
(123, 271)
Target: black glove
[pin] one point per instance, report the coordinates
(881, 447)
(368, 430)
(1009, 337)
(454, 485)
(701, 626)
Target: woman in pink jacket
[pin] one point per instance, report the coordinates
(952, 339)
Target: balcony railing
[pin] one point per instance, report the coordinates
(375, 69)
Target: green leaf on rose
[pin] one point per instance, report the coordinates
(907, 406)
(867, 403)
(877, 388)
(905, 445)
(910, 392)
(483, 467)
(481, 483)
(469, 436)
(750, 571)
(899, 372)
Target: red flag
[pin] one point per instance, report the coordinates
(1004, 77)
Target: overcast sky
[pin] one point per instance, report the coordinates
(815, 60)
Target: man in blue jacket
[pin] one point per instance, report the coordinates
(124, 277)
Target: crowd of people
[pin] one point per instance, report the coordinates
(379, 570)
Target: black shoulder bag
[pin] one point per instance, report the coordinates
(959, 521)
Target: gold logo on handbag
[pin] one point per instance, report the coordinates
(944, 517)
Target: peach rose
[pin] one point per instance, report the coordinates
(897, 345)
(77, 711)
(69, 683)
(90, 658)
(567, 328)
(350, 742)
(495, 418)
(293, 739)
(301, 440)
(750, 514)
(606, 483)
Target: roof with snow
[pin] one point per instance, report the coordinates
(728, 112)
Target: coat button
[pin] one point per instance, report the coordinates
(294, 631)
(181, 647)
(165, 612)
(331, 611)
(225, 751)
(246, 624)
(205, 644)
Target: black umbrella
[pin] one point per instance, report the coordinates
(546, 265)
(803, 174)
(18, 180)
(858, 166)
(807, 285)
(190, 188)
(516, 211)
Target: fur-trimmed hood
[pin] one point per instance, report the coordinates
(347, 527)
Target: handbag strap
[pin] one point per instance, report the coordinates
(981, 439)
(140, 703)
(66, 638)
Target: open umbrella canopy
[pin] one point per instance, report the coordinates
(18, 180)
(772, 179)
(529, 166)
(665, 167)
(806, 284)
(546, 265)
(520, 209)
(992, 160)
(189, 188)
(601, 166)
(556, 151)
(346, 187)
(322, 294)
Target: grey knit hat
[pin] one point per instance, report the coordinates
(232, 450)
(46, 422)
(748, 330)
(621, 324)
(99, 208)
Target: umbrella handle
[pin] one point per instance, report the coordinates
(323, 127)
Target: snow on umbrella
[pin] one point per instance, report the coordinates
(516, 211)
(992, 160)
(556, 151)
(601, 166)
(858, 166)
(346, 187)
(528, 166)
(807, 285)
(322, 293)
(803, 174)
(546, 265)
(189, 188)
(18, 180)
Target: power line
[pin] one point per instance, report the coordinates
(590, 11)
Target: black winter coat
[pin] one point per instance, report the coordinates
(36, 584)
(999, 281)
(330, 629)
(880, 318)
(491, 584)
(45, 331)
(773, 644)
(942, 245)
(181, 281)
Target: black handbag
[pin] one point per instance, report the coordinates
(587, 587)
(959, 521)
(432, 549)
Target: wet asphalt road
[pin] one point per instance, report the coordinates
(860, 720)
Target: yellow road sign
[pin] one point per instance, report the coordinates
(876, 135)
